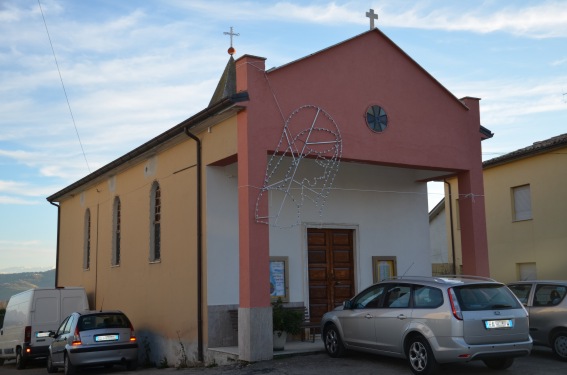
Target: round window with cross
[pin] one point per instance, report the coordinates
(376, 118)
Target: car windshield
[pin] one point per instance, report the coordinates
(101, 321)
(485, 297)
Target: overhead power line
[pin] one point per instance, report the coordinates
(63, 85)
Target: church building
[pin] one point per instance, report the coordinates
(306, 182)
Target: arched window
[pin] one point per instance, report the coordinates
(155, 223)
(116, 232)
(87, 240)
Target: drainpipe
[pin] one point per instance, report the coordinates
(199, 250)
(57, 245)
(452, 232)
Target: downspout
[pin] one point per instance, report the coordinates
(452, 232)
(199, 250)
(57, 245)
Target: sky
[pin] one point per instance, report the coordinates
(84, 82)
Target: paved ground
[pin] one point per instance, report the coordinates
(540, 362)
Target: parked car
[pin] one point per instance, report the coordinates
(31, 315)
(93, 338)
(547, 305)
(432, 320)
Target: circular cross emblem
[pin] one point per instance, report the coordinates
(376, 118)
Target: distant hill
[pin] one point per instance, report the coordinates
(14, 283)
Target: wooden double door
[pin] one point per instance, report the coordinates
(330, 268)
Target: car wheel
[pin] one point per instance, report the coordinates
(559, 345)
(420, 357)
(132, 366)
(333, 343)
(50, 368)
(498, 363)
(20, 361)
(69, 368)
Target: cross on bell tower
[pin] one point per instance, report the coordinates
(373, 16)
(231, 50)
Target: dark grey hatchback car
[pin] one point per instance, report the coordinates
(547, 305)
(93, 338)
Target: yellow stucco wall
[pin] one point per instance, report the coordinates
(541, 240)
(148, 292)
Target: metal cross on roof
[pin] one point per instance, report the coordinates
(373, 16)
(231, 35)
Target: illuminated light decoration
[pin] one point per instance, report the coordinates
(309, 133)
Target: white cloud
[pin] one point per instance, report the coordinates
(16, 201)
(23, 189)
(34, 254)
(541, 20)
(507, 101)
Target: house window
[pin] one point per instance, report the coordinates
(155, 223)
(87, 241)
(526, 271)
(522, 203)
(116, 233)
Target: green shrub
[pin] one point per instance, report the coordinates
(285, 319)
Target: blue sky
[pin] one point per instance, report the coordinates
(133, 69)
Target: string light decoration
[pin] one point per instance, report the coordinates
(308, 133)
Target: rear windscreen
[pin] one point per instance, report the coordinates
(485, 297)
(100, 321)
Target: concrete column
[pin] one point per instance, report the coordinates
(472, 217)
(255, 336)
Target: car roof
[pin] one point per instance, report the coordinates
(97, 312)
(564, 282)
(445, 279)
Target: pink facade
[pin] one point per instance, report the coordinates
(428, 128)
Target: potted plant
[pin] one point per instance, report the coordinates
(285, 321)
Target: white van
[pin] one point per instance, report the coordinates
(30, 316)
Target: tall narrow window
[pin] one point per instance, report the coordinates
(522, 203)
(87, 241)
(116, 233)
(155, 223)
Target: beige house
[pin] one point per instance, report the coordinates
(526, 212)
(245, 201)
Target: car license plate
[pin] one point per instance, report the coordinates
(106, 338)
(493, 324)
(42, 334)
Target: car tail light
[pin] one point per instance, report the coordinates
(457, 313)
(27, 334)
(132, 333)
(76, 337)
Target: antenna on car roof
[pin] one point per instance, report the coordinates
(101, 304)
(411, 265)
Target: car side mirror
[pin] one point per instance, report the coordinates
(347, 305)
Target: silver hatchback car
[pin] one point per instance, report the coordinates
(547, 305)
(93, 338)
(432, 320)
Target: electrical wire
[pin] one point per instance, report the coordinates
(63, 85)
